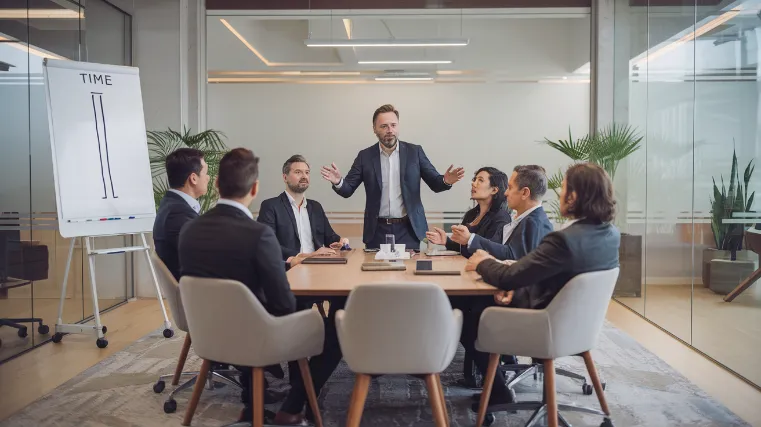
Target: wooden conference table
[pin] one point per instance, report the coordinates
(339, 279)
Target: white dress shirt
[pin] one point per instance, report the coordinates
(392, 202)
(191, 201)
(507, 230)
(303, 225)
(238, 205)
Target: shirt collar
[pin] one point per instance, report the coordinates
(293, 201)
(396, 148)
(525, 214)
(238, 205)
(190, 200)
(570, 223)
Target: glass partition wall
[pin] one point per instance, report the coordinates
(32, 252)
(687, 77)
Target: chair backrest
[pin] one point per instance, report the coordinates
(577, 312)
(227, 322)
(171, 291)
(398, 328)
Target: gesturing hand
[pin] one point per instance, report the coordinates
(323, 251)
(452, 175)
(339, 244)
(331, 173)
(476, 259)
(460, 234)
(437, 236)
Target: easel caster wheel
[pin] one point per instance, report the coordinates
(607, 423)
(170, 406)
(489, 419)
(22, 333)
(168, 333)
(101, 343)
(57, 337)
(43, 329)
(159, 386)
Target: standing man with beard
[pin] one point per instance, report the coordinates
(300, 224)
(391, 171)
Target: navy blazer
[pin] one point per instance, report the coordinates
(524, 238)
(224, 243)
(490, 225)
(173, 213)
(582, 247)
(278, 214)
(414, 165)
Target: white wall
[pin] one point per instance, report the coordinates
(472, 125)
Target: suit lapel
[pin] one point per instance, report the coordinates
(375, 160)
(287, 204)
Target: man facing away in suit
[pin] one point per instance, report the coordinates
(300, 224)
(188, 177)
(227, 243)
(588, 242)
(391, 171)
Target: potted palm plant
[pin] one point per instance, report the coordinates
(727, 264)
(162, 143)
(606, 148)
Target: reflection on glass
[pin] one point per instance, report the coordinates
(33, 254)
(691, 79)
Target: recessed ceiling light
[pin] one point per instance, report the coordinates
(405, 62)
(386, 43)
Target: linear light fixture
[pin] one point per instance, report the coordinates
(404, 62)
(386, 42)
(403, 79)
(692, 35)
(41, 14)
(26, 48)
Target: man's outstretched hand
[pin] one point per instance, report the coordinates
(331, 173)
(452, 175)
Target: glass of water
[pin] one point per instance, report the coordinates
(390, 240)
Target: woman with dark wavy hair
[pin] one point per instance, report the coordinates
(489, 215)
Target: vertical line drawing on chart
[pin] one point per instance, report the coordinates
(105, 143)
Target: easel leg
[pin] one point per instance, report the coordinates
(168, 332)
(745, 284)
(102, 343)
(65, 280)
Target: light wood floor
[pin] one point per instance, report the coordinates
(32, 375)
(727, 332)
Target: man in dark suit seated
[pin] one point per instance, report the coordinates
(391, 171)
(300, 224)
(588, 242)
(525, 189)
(188, 178)
(227, 243)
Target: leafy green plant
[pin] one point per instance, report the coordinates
(162, 143)
(555, 183)
(606, 148)
(725, 202)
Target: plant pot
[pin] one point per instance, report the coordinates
(726, 274)
(629, 282)
(710, 254)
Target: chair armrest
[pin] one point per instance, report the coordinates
(517, 331)
(299, 335)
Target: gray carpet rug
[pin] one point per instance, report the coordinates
(642, 390)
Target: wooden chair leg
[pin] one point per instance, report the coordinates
(439, 415)
(358, 397)
(306, 375)
(257, 393)
(491, 372)
(181, 360)
(443, 399)
(596, 381)
(197, 389)
(549, 392)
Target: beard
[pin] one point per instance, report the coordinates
(299, 187)
(389, 142)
